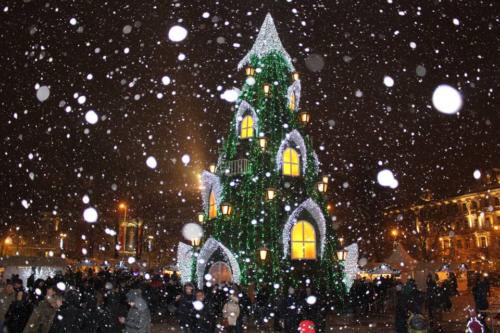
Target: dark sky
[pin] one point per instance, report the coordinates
(343, 50)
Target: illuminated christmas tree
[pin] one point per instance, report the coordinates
(263, 209)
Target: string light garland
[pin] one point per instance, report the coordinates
(296, 138)
(294, 88)
(206, 252)
(184, 261)
(210, 182)
(267, 42)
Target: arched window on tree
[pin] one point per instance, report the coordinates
(291, 163)
(291, 104)
(212, 206)
(246, 127)
(303, 239)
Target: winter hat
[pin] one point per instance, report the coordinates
(133, 295)
(306, 326)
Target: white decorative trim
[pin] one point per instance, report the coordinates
(316, 213)
(206, 252)
(294, 88)
(210, 182)
(267, 41)
(242, 110)
(316, 162)
(295, 137)
(351, 268)
(184, 261)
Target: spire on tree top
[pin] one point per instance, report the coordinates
(267, 41)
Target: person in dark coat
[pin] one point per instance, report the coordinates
(90, 319)
(480, 292)
(184, 304)
(290, 312)
(19, 312)
(203, 317)
(43, 314)
(401, 314)
(69, 316)
(115, 307)
(138, 318)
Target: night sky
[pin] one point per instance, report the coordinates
(52, 157)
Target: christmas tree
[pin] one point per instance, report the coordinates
(264, 212)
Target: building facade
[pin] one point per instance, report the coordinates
(463, 229)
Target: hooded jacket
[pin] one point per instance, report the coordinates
(138, 317)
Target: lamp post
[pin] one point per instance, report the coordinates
(394, 234)
(122, 206)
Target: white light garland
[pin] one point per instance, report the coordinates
(312, 207)
(295, 137)
(294, 88)
(267, 41)
(242, 110)
(206, 252)
(184, 261)
(316, 162)
(351, 268)
(210, 182)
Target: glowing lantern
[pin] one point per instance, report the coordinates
(201, 217)
(325, 179)
(322, 187)
(226, 209)
(250, 71)
(295, 76)
(195, 242)
(341, 255)
(263, 253)
(270, 193)
(212, 168)
(263, 143)
(267, 89)
(304, 117)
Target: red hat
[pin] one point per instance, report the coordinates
(306, 326)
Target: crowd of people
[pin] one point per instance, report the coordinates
(77, 302)
(124, 302)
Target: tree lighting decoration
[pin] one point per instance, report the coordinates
(322, 187)
(295, 76)
(263, 143)
(266, 87)
(270, 193)
(350, 264)
(304, 117)
(201, 217)
(263, 251)
(250, 71)
(325, 179)
(226, 209)
(341, 255)
(212, 168)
